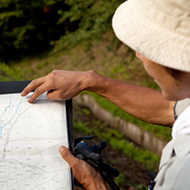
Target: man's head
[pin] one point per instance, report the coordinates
(159, 30)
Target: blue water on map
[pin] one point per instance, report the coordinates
(4, 112)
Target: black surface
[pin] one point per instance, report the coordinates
(69, 120)
(70, 129)
(12, 87)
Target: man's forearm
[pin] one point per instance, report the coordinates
(142, 102)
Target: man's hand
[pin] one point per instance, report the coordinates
(59, 85)
(84, 174)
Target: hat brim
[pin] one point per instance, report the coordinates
(146, 37)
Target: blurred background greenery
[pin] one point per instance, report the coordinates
(29, 27)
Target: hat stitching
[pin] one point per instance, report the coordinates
(164, 19)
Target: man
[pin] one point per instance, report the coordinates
(159, 32)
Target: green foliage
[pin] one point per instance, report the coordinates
(27, 26)
(7, 73)
(117, 141)
(120, 179)
(31, 26)
(5, 16)
(90, 18)
(79, 126)
(85, 111)
(143, 156)
(141, 187)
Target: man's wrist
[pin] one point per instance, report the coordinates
(97, 187)
(86, 81)
(98, 184)
(94, 82)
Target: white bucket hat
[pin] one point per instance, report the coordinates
(158, 29)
